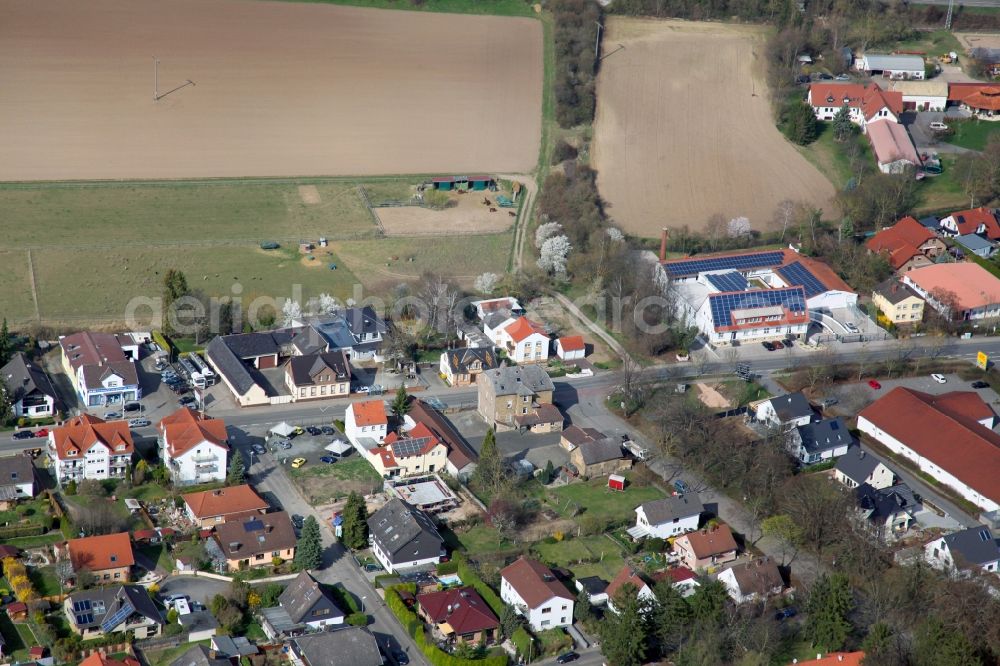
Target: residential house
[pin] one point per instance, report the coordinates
(413, 453)
(200, 625)
(963, 291)
(681, 579)
(518, 398)
(595, 588)
(893, 148)
(507, 304)
(707, 547)
(533, 590)
(100, 659)
(574, 436)
(462, 458)
(947, 436)
(107, 557)
(599, 457)
(17, 479)
(214, 507)
(404, 537)
(88, 447)
(965, 551)
(358, 332)
(887, 512)
(525, 341)
(366, 424)
(906, 245)
(755, 580)
(571, 347)
(857, 467)
(668, 517)
(981, 221)
(200, 655)
(495, 325)
(900, 304)
(460, 367)
(101, 611)
(102, 367)
(256, 541)
(237, 360)
(193, 447)
(982, 100)
(459, 614)
(629, 576)
(29, 389)
(351, 645)
(820, 440)
(473, 336)
(319, 375)
(303, 606)
(976, 244)
(864, 103)
(784, 411)
(895, 66)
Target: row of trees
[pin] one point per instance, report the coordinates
(576, 27)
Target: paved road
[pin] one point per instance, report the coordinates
(966, 3)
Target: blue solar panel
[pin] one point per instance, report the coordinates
(739, 262)
(731, 281)
(120, 616)
(797, 275)
(84, 619)
(792, 298)
(254, 525)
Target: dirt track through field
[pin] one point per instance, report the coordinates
(280, 89)
(679, 135)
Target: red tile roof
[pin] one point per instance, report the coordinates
(461, 607)
(225, 502)
(572, 343)
(968, 221)
(534, 582)
(371, 412)
(523, 327)
(82, 432)
(986, 98)
(460, 454)
(394, 445)
(972, 285)
(185, 429)
(944, 431)
(626, 575)
(901, 242)
(869, 99)
(96, 553)
(676, 575)
(713, 541)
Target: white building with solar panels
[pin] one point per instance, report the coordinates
(754, 296)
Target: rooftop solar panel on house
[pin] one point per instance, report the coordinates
(84, 619)
(254, 525)
(791, 298)
(731, 281)
(409, 447)
(739, 262)
(120, 616)
(795, 274)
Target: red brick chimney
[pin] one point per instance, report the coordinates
(663, 245)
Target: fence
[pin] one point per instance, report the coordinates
(371, 209)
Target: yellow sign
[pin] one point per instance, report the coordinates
(982, 361)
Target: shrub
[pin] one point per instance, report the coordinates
(70, 488)
(357, 619)
(524, 642)
(562, 152)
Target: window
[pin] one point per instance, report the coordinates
(118, 574)
(322, 389)
(546, 623)
(546, 611)
(312, 390)
(276, 553)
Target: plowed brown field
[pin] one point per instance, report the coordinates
(281, 89)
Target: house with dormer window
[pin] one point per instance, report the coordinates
(102, 367)
(404, 537)
(88, 447)
(193, 447)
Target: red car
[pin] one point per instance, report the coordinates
(43, 432)
(874, 384)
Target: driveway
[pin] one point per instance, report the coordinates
(923, 138)
(198, 588)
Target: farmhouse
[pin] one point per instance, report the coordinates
(28, 387)
(706, 548)
(102, 367)
(108, 558)
(318, 375)
(982, 221)
(533, 590)
(404, 537)
(515, 398)
(460, 367)
(212, 507)
(907, 245)
(525, 341)
(108, 610)
(962, 291)
(948, 436)
(857, 467)
(366, 424)
(459, 613)
(865, 103)
(898, 302)
(892, 66)
(667, 517)
(255, 541)
(193, 447)
(88, 447)
(893, 148)
(966, 550)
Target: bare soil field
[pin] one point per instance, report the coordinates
(469, 215)
(978, 40)
(279, 89)
(684, 129)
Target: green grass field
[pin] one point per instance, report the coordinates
(973, 134)
(827, 155)
(574, 554)
(596, 499)
(389, 259)
(942, 192)
(322, 483)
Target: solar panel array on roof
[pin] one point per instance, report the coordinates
(731, 281)
(798, 275)
(81, 605)
(792, 298)
(409, 447)
(254, 525)
(84, 619)
(739, 262)
(120, 616)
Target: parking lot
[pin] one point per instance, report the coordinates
(856, 396)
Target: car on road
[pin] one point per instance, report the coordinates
(681, 487)
(362, 389)
(940, 379)
(938, 126)
(769, 346)
(313, 430)
(298, 521)
(298, 462)
(327, 430)
(778, 344)
(874, 384)
(329, 460)
(842, 77)
(567, 657)
(187, 400)
(22, 434)
(400, 657)
(108, 416)
(42, 432)
(785, 613)
(285, 444)
(139, 423)
(980, 384)
(851, 327)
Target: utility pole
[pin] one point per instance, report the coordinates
(597, 42)
(156, 87)
(951, 9)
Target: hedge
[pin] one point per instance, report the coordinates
(449, 567)
(166, 344)
(415, 628)
(14, 531)
(470, 577)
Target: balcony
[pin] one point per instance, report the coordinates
(201, 458)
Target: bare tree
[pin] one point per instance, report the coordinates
(784, 215)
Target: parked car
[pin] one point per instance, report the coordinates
(132, 407)
(372, 567)
(767, 345)
(842, 77)
(938, 126)
(298, 462)
(139, 423)
(42, 432)
(400, 658)
(108, 416)
(980, 384)
(802, 79)
(174, 598)
(22, 434)
(850, 326)
(187, 401)
(285, 444)
(258, 449)
(874, 384)
(681, 487)
(313, 430)
(298, 521)
(567, 657)
(327, 430)
(785, 613)
(940, 379)
(329, 460)
(778, 344)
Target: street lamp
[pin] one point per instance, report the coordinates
(363, 603)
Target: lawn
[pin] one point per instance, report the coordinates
(77, 503)
(45, 580)
(147, 492)
(15, 646)
(27, 513)
(942, 192)
(827, 155)
(934, 43)
(35, 541)
(481, 539)
(165, 657)
(390, 190)
(319, 481)
(159, 554)
(15, 285)
(575, 555)
(972, 134)
(594, 498)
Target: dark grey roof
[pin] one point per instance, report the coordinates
(592, 585)
(304, 367)
(882, 504)
(233, 646)
(973, 242)
(399, 527)
(670, 508)
(857, 465)
(306, 601)
(229, 365)
(825, 435)
(895, 291)
(931, 222)
(16, 470)
(310, 341)
(252, 345)
(511, 380)
(111, 599)
(198, 621)
(600, 450)
(352, 645)
(23, 378)
(494, 319)
(791, 406)
(460, 359)
(364, 321)
(198, 655)
(975, 545)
